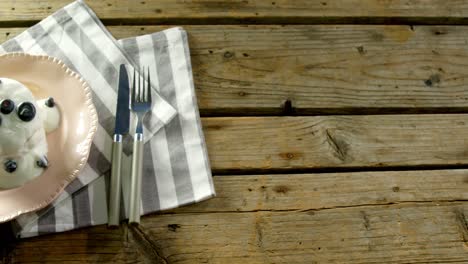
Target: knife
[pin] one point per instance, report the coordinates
(122, 122)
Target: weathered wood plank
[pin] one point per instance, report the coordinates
(244, 11)
(92, 245)
(265, 143)
(328, 69)
(331, 190)
(253, 215)
(255, 70)
(406, 233)
(391, 234)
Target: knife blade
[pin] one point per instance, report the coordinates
(122, 118)
(122, 123)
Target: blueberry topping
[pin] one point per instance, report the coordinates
(50, 102)
(10, 166)
(7, 106)
(26, 111)
(43, 163)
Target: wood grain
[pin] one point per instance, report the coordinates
(297, 70)
(410, 233)
(279, 143)
(311, 70)
(251, 193)
(371, 217)
(244, 11)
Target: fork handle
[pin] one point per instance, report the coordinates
(135, 187)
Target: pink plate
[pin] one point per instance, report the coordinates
(69, 145)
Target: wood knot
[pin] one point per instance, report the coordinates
(289, 155)
(213, 127)
(228, 54)
(281, 189)
(439, 32)
(365, 217)
(465, 180)
(173, 227)
(242, 94)
(361, 50)
(396, 189)
(433, 79)
(340, 147)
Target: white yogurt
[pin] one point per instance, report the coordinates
(22, 141)
(50, 115)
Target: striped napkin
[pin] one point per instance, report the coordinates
(176, 170)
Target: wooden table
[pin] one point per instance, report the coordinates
(337, 132)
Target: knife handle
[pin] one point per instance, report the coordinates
(115, 187)
(135, 187)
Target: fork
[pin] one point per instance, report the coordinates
(140, 105)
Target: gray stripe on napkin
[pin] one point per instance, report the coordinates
(94, 54)
(149, 189)
(12, 46)
(46, 223)
(175, 139)
(97, 161)
(48, 45)
(81, 208)
(131, 45)
(74, 186)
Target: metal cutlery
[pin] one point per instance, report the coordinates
(140, 105)
(122, 122)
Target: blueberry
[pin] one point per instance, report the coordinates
(50, 102)
(26, 111)
(7, 106)
(10, 166)
(43, 163)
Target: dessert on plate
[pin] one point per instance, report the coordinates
(24, 123)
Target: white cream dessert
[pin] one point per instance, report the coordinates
(23, 127)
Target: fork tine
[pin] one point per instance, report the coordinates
(143, 86)
(140, 89)
(149, 86)
(132, 96)
(143, 91)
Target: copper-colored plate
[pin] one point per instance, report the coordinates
(69, 145)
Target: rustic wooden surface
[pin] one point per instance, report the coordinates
(330, 142)
(14, 12)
